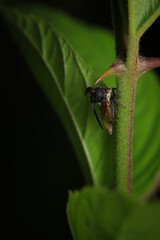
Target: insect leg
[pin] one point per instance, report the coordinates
(116, 94)
(116, 100)
(95, 113)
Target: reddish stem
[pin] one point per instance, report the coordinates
(130, 138)
(146, 64)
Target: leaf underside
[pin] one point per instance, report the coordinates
(97, 214)
(102, 214)
(143, 223)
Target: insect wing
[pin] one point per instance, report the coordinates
(107, 115)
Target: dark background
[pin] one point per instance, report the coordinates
(39, 165)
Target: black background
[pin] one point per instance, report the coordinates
(39, 165)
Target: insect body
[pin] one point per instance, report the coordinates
(105, 97)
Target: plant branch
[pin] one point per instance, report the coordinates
(146, 64)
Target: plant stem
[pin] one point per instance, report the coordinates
(127, 41)
(124, 133)
(146, 64)
(124, 136)
(127, 87)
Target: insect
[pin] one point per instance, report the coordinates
(105, 97)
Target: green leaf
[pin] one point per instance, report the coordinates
(94, 44)
(145, 12)
(95, 213)
(146, 135)
(138, 15)
(142, 224)
(64, 76)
